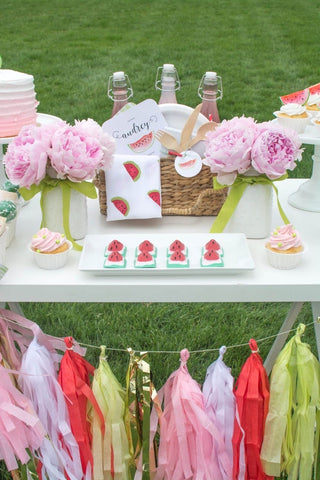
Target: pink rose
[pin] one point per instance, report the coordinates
(74, 155)
(26, 157)
(228, 148)
(275, 150)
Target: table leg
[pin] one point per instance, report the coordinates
(13, 306)
(283, 335)
(316, 318)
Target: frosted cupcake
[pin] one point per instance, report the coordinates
(284, 247)
(293, 115)
(50, 249)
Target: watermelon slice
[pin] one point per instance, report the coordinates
(300, 97)
(133, 169)
(115, 257)
(212, 245)
(178, 257)
(142, 144)
(188, 163)
(121, 204)
(155, 196)
(177, 246)
(146, 246)
(145, 257)
(212, 255)
(314, 89)
(115, 246)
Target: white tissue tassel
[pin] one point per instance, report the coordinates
(38, 381)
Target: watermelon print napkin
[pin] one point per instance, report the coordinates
(133, 187)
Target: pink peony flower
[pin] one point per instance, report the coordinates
(275, 150)
(90, 128)
(75, 154)
(228, 148)
(62, 150)
(26, 157)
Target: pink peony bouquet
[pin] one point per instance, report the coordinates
(59, 151)
(239, 145)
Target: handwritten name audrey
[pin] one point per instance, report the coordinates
(143, 127)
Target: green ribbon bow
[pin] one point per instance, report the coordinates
(47, 184)
(236, 191)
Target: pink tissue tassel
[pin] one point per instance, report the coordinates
(59, 454)
(188, 438)
(20, 427)
(221, 407)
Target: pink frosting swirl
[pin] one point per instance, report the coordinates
(46, 241)
(285, 237)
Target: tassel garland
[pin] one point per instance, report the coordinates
(63, 419)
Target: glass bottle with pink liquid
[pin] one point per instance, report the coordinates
(167, 81)
(210, 90)
(119, 91)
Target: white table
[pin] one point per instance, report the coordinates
(24, 282)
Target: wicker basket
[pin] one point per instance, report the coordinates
(179, 195)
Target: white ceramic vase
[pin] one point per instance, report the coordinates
(253, 214)
(53, 212)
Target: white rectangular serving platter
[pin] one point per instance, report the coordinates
(237, 257)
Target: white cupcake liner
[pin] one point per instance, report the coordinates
(3, 243)
(285, 261)
(51, 261)
(11, 231)
(297, 124)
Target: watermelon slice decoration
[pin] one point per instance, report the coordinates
(145, 257)
(115, 246)
(177, 246)
(300, 97)
(115, 257)
(211, 255)
(212, 245)
(146, 246)
(314, 89)
(155, 196)
(121, 204)
(188, 163)
(133, 169)
(142, 144)
(178, 256)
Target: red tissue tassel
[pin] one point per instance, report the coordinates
(252, 396)
(75, 383)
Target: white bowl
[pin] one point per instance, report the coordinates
(51, 261)
(285, 261)
(297, 124)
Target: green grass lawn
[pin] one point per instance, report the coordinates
(261, 48)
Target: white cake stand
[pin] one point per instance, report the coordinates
(42, 119)
(307, 197)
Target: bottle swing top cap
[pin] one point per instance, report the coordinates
(210, 75)
(119, 80)
(210, 83)
(167, 74)
(168, 68)
(118, 76)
